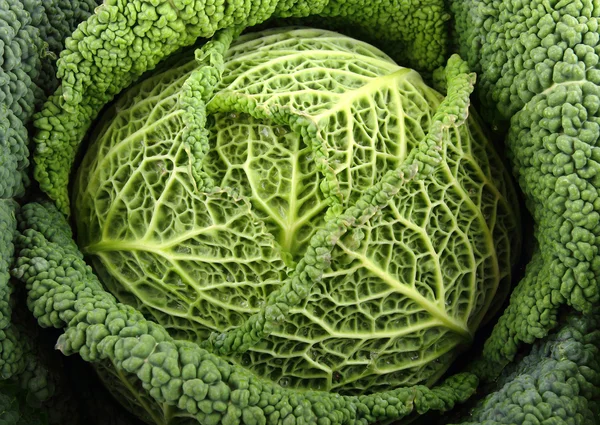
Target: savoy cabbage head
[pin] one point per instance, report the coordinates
(297, 202)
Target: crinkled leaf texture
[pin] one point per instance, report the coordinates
(201, 230)
(558, 382)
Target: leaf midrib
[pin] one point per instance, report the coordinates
(432, 308)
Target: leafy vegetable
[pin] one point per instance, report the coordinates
(301, 124)
(537, 80)
(417, 254)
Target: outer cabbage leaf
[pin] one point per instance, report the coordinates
(557, 382)
(538, 66)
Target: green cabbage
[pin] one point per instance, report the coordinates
(228, 198)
